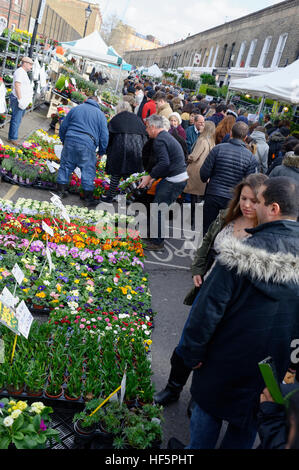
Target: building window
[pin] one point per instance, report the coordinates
(215, 56)
(251, 53)
(265, 51)
(231, 55)
(210, 56)
(224, 54)
(241, 53)
(279, 50)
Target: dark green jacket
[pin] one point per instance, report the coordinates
(204, 256)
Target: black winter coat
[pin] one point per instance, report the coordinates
(127, 136)
(225, 166)
(247, 310)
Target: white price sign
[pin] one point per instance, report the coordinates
(78, 172)
(55, 165)
(50, 167)
(49, 258)
(64, 214)
(18, 274)
(8, 299)
(58, 150)
(24, 318)
(57, 201)
(47, 229)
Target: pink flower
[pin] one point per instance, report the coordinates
(83, 319)
(107, 320)
(76, 321)
(115, 317)
(94, 326)
(90, 300)
(132, 329)
(115, 280)
(88, 322)
(81, 326)
(109, 324)
(99, 318)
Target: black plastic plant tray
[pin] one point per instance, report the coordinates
(59, 403)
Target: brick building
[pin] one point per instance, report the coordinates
(251, 45)
(123, 37)
(73, 12)
(15, 12)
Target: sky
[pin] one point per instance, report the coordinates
(173, 20)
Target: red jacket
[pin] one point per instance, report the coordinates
(148, 109)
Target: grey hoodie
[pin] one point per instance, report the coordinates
(262, 150)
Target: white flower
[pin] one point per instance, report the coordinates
(129, 296)
(8, 421)
(108, 328)
(46, 283)
(147, 332)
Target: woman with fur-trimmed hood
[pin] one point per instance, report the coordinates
(289, 166)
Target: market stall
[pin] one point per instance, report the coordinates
(85, 273)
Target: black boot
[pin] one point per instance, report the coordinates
(170, 394)
(178, 377)
(89, 200)
(62, 190)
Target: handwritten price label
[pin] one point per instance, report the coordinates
(18, 274)
(25, 319)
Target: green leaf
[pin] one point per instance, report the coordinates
(18, 436)
(4, 442)
(18, 423)
(41, 438)
(36, 423)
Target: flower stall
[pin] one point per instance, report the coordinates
(35, 164)
(84, 274)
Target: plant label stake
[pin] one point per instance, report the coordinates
(8, 318)
(30, 242)
(25, 319)
(18, 275)
(8, 299)
(1, 351)
(105, 401)
(123, 386)
(13, 348)
(47, 229)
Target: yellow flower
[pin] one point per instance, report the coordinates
(143, 279)
(84, 274)
(12, 402)
(120, 270)
(22, 405)
(58, 287)
(9, 410)
(109, 289)
(42, 295)
(25, 279)
(76, 281)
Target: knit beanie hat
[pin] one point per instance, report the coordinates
(177, 116)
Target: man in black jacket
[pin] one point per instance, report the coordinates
(246, 311)
(170, 167)
(225, 166)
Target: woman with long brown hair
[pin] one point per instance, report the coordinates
(231, 222)
(223, 129)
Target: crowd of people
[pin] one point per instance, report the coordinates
(245, 275)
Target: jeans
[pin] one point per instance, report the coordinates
(75, 154)
(205, 430)
(16, 118)
(212, 206)
(166, 192)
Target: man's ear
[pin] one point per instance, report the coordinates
(275, 209)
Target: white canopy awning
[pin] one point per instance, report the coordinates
(91, 47)
(281, 85)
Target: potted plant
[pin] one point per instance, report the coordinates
(24, 426)
(86, 425)
(35, 378)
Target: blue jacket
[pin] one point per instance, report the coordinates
(191, 137)
(216, 118)
(247, 309)
(225, 166)
(87, 118)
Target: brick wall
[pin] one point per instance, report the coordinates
(273, 21)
